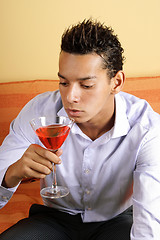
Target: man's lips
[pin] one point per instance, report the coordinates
(73, 112)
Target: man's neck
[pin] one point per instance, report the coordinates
(96, 129)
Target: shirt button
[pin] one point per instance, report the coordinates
(4, 198)
(87, 171)
(89, 209)
(88, 192)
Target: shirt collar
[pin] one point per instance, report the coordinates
(121, 125)
(62, 112)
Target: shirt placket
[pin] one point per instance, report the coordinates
(87, 178)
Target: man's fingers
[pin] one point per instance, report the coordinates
(32, 173)
(46, 154)
(59, 152)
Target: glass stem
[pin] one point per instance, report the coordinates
(54, 185)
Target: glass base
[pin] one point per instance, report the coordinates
(51, 193)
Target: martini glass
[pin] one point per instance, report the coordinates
(52, 132)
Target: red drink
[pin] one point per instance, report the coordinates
(53, 136)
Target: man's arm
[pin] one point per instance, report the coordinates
(20, 154)
(146, 192)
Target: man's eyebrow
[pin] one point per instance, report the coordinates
(81, 79)
(59, 75)
(87, 78)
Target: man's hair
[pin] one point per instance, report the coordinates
(93, 37)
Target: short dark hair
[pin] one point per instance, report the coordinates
(94, 37)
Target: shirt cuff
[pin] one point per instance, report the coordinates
(5, 195)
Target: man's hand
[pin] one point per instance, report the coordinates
(36, 162)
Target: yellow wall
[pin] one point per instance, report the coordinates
(30, 32)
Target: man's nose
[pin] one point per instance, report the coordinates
(73, 94)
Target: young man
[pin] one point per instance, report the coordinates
(110, 160)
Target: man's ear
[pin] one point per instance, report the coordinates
(118, 82)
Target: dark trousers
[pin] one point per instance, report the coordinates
(49, 224)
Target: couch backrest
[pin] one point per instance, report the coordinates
(14, 95)
(145, 87)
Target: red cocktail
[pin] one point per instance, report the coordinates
(52, 132)
(53, 136)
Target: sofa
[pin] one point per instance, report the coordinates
(13, 96)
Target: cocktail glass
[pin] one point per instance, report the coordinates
(52, 132)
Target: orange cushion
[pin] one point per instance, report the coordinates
(145, 87)
(14, 95)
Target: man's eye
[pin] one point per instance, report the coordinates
(87, 86)
(63, 84)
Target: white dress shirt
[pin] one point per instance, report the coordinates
(105, 176)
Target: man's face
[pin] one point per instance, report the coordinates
(85, 89)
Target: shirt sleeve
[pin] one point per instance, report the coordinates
(146, 190)
(20, 137)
